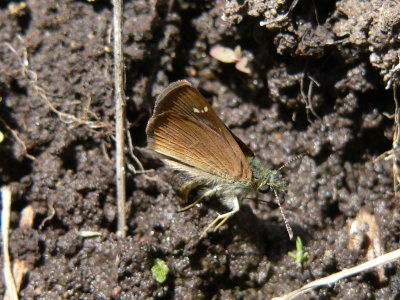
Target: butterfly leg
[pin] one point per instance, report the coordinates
(204, 195)
(221, 219)
(184, 191)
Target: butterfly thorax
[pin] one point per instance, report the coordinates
(265, 179)
(232, 190)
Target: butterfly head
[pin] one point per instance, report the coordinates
(272, 181)
(266, 180)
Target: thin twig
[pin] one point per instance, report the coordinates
(120, 116)
(48, 218)
(11, 289)
(308, 98)
(393, 153)
(380, 260)
(281, 18)
(19, 140)
(391, 74)
(396, 142)
(134, 157)
(32, 78)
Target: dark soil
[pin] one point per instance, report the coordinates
(321, 83)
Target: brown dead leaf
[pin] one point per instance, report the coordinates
(27, 217)
(224, 54)
(365, 235)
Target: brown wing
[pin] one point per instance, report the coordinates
(190, 142)
(182, 98)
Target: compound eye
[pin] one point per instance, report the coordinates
(264, 189)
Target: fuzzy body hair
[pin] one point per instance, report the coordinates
(214, 185)
(263, 179)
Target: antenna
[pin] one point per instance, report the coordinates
(297, 157)
(288, 228)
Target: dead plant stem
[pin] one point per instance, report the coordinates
(331, 279)
(120, 116)
(11, 289)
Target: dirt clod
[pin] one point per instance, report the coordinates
(321, 83)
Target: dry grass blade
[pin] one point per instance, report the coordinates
(331, 279)
(11, 289)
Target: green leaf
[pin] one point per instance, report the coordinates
(159, 270)
(300, 255)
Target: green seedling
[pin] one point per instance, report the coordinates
(159, 270)
(300, 255)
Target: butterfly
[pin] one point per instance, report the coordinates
(191, 138)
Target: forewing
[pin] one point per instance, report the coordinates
(193, 143)
(182, 98)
